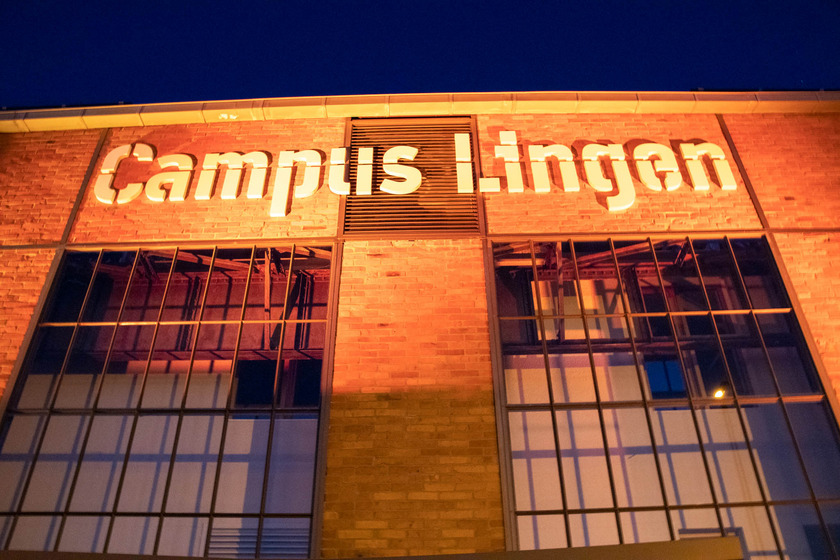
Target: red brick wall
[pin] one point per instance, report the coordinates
(41, 174)
(558, 211)
(144, 220)
(412, 464)
(22, 276)
(794, 166)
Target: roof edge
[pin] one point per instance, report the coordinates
(430, 104)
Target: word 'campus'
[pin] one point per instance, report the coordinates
(656, 164)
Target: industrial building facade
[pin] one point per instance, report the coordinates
(422, 324)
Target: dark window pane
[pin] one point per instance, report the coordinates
(300, 383)
(69, 290)
(816, 433)
(679, 276)
(85, 364)
(254, 384)
(663, 372)
(775, 454)
(720, 277)
(109, 286)
(310, 284)
(513, 290)
(706, 370)
(758, 269)
(638, 274)
(45, 360)
(791, 361)
(802, 535)
(745, 356)
(126, 367)
(598, 278)
(267, 291)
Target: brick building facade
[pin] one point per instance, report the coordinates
(421, 336)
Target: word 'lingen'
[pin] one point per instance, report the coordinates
(656, 165)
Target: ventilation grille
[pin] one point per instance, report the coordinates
(275, 543)
(436, 205)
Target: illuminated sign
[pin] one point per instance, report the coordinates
(604, 167)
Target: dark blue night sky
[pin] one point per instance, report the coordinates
(89, 53)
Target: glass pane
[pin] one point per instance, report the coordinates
(267, 292)
(133, 535)
(292, 469)
(35, 533)
(45, 360)
(310, 284)
(184, 536)
(243, 465)
(599, 286)
(695, 523)
(285, 538)
(758, 269)
(148, 464)
(99, 473)
(644, 526)
(728, 457)
(122, 382)
(593, 529)
(802, 536)
(816, 433)
(663, 372)
(541, 531)
(56, 464)
(256, 368)
(227, 285)
(791, 360)
(723, 287)
(525, 379)
(746, 358)
(571, 378)
(775, 455)
(209, 382)
(831, 516)
(300, 383)
(520, 335)
(514, 286)
(109, 286)
(638, 274)
(584, 465)
(752, 526)
(187, 285)
(86, 362)
(679, 276)
(193, 474)
(145, 293)
(68, 293)
(631, 458)
(617, 376)
(84, 534)
(684, 473)
(17, 447)
(536, 478)
(706, 370)
(168, 367)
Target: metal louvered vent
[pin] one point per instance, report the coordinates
(436, 205)
(242, 543)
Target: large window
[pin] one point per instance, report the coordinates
(662, 390)
(169, 404)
